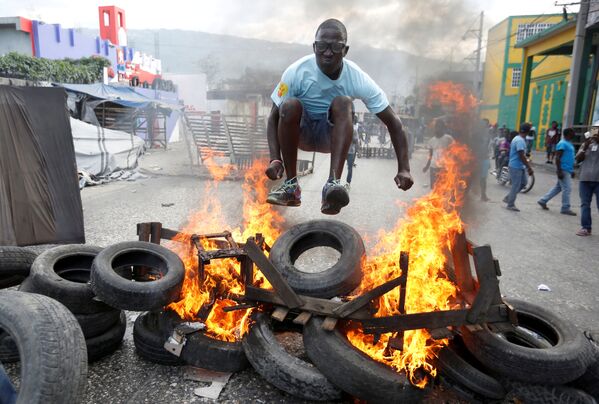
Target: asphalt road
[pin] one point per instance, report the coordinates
(533, 247)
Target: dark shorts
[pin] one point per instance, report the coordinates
(315, 132)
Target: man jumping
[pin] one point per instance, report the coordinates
(312, 111)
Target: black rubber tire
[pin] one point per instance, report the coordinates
(9, 352)
(520, 392)
(281, 369)
(117, 291)
(10, 281)
(529, 184)
(589, 381)
(95, 324)
(455, 362)
(51, 345)
(108, 342)
(206, 352)
(353, 371)
(63, 273)
(341, 278)
(149, 338)
(566, 360)
(16, 260)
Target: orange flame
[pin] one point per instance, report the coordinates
(427, 231)
(451, 95)
(222, 276)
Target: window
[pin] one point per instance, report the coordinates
(516, 76)
(528, 30)
(106, 16)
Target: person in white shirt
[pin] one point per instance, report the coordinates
(436, 146)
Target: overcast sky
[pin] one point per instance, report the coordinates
(426, 27)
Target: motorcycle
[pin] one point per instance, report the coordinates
(503, 178)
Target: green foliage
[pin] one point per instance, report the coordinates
(82, 71)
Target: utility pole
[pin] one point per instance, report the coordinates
(478, 33)
(573, 85)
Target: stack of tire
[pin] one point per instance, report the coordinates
(15, 263)
(63, 273)
(333, 366)
(544, 359)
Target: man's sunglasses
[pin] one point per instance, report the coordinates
(336, 47)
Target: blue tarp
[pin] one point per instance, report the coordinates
(121, 95)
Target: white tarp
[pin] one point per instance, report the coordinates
(100, 151)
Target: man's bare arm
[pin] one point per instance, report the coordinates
(525, 162)
(403, 179)
(275, 168)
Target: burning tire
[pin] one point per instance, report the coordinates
(457, 364)
(206, 352)
(341, 278)
(51, 345)
(137, 276)
(62, 273)
(149, 338)
(107, 342)
(353, 371)
(16, 260)
(564, 358)
(280, 368)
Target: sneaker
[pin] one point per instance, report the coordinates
(568, 212)
(543, 205)
(513, 208)
(347, 186)
(288, 193)
(583, 232)
(334, 197)
(504, 200)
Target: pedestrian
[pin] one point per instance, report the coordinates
(312, 110)
(483, 148)
(588, 156)
(436, 146)
(564, 161)
(518, 166)
(530, 140)
(351, 155)
(551, 138)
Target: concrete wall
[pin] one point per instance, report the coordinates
(12, 40)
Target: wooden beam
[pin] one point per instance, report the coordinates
(461, 263)
(280, 285)
(353, 305)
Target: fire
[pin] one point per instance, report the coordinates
(222, 276)
(426, 233)
(451, 95)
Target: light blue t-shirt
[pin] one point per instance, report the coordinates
(518, 145)
(305, 81)
(567, 159)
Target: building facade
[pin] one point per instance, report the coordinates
(502, 76)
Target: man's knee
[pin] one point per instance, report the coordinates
(341, 107)
(290, 110)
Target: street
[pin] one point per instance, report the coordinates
(533, 247)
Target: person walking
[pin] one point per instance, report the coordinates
(518, 166)
(530, 140)
(588, 156)
(564, 161)
(436, 146)
(551, 139)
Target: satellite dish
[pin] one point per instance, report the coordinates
(122, 36)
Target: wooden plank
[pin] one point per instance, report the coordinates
(155, 232)
(302, 318)
(349, 307)
(281, 287)
(461, 263)
(488, 292)
(403, 265)
(329, 324)
(436, 319)
(143, 231)
(314, 305)
(280, 313)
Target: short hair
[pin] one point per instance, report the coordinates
(334, 24)
(569, 132)
(525, 127)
